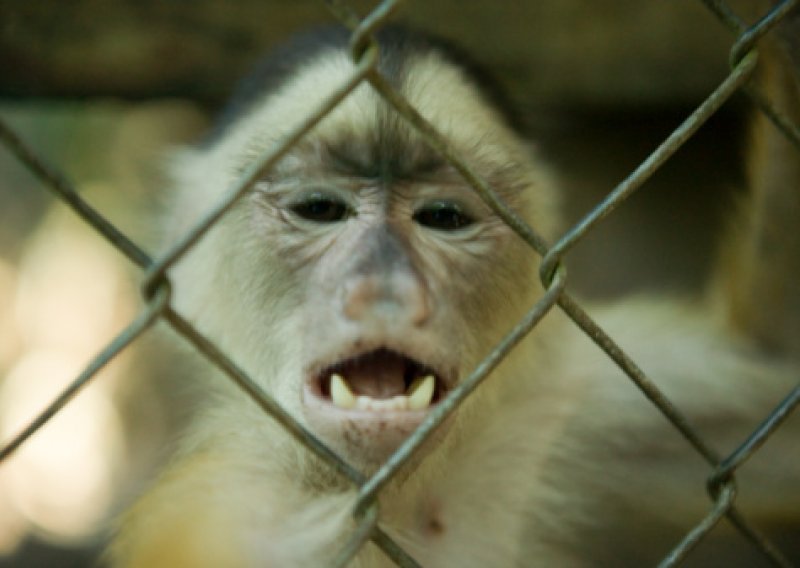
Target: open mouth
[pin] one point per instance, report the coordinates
(380, 380)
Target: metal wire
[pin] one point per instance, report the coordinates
(456, 396)
(653, 162)
(721, 506)
(123, 340)
(365, 52)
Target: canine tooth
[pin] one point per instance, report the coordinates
(341, 395)
(420, 393)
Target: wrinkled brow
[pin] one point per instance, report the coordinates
(349, 156)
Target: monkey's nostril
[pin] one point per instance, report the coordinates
(359, 297)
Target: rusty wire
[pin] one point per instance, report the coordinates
(365, 53)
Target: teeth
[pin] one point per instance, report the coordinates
(420, 393)
(398, 402)
(341, 395)
(418, 396)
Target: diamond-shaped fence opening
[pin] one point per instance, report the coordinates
(156, 284)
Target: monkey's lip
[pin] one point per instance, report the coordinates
(368, 424)
(380, 381)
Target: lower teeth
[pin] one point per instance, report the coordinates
(418, 396)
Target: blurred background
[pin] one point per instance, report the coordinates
(64, 294)
(105, 90)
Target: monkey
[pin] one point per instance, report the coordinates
(362, 279)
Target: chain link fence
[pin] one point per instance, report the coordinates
(364, 49)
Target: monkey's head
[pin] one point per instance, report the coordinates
(362, 278)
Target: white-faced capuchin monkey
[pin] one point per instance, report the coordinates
(362, 279)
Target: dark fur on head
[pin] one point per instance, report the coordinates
(396, 43)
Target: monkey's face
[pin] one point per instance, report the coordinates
(388, 270)
(374, 276)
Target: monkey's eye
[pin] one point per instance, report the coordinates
(321, 209)
(442, 216)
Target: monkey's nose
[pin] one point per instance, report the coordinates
(388, 299)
